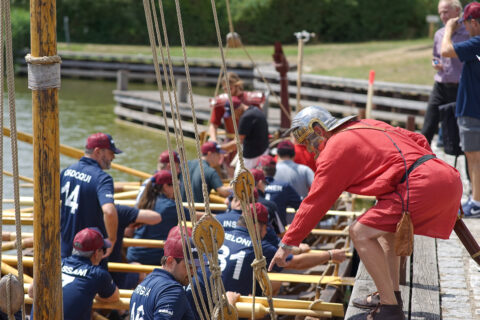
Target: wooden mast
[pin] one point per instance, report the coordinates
(46, 160)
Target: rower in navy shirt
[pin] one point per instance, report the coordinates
(128, 216)
(282, 193)
(161, 295)
(157, 195)
(87, 193)
(236, 255)
(82, 277)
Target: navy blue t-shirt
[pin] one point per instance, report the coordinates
(468, 96)
(168, 210)
(85, 188)
(283, 195)
(160, 296)
(229, 219)
(236, 256)
(81, 281)
(212, 179)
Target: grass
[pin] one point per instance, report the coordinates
(406, 61)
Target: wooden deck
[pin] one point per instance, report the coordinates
(144, 108)
(421, 292)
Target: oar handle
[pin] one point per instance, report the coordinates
(467, 240)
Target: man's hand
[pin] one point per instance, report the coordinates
(452, 24)
(437, 65)
(109, 250)
(338, 255)
(279, 258)
(232, 297)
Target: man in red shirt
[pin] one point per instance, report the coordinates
(370, 157)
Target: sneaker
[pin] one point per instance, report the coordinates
(372, 300)
(387, 312)
(470, 209)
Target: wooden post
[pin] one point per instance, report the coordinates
(46, 170)
(410, 123)
(281, 65)
(122, 80)
(182, 87)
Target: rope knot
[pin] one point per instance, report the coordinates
(258, 264)
(215, 271)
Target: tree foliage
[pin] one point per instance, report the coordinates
(257, 21)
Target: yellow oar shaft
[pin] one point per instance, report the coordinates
(10, 174)
(77, 154)
(6, 269)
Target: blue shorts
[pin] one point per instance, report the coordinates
(469, 130)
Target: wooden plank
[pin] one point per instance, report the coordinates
(350, 96)
(425, 283)
(364, 285)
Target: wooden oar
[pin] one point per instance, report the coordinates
(126, 195)
(10, 236)
(26, 179)
(10, 245)
(77, 154)
(244, 306)
(6, 269)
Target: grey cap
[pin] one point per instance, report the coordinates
(302, 123)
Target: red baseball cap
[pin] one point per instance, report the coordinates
(471, 11)
(266, 161)
(211, 146)
(173, 244)
(286, 145)
(262, 212)
(257, 175)
(164, 157)
(103, 141)
(90, 239)
(162, 177)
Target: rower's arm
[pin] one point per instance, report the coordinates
(110, 217)
(114, 297)
(147, 216)
(311, 259)
(212, 132)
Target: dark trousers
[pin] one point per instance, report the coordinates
(442, 93)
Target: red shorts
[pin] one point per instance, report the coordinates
(435, 191)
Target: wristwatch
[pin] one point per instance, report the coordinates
(285, 246)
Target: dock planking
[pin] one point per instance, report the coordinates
(145, 108)
(421, 292)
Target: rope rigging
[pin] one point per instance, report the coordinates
(12, 285)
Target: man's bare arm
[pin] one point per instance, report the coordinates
(448, 50)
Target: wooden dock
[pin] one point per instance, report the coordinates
(144, 108)
(421, 292)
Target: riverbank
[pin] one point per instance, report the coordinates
(405, 61)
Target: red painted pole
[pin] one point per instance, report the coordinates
(281, 65)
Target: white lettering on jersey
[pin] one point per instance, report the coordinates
(71, 199)
(76, 272)
(78, 175)
(229, 224)
(139, 314)
(166, 311)
(143, 291)
(273, 188)
(224, 254)
(240, 240)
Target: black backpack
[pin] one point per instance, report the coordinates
(451, 137)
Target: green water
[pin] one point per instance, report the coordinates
(85, 107)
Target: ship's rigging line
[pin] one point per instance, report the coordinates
(207, 232)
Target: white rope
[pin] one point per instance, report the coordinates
(175, 115)
(13, 133)
(245, 199)
(43, 72)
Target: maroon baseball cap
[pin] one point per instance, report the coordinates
(471, 11)
(90, 239)
(173, 244)
(211, 146)
(103, 141)
(164, 157)
(162, 177)
(286, 145)
(257, 175)
(262, 212)
(266, 161)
